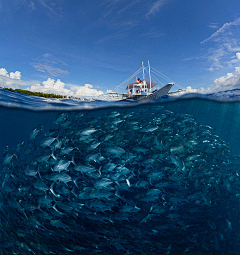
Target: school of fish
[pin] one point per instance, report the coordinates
(138, 180)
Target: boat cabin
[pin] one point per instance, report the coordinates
(142, 87)
(139, 89)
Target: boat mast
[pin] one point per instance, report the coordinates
(149, 76)
(143, 71)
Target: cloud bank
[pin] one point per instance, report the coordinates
(228, 82)
(49, 86)
(16, 75)
(60, 88)
(231, 81)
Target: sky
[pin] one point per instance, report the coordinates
(87, 47)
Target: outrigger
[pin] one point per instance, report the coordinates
(141, 89)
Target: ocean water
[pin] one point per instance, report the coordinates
(155, 176)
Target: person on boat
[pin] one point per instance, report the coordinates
(130, 92)
(138, 80)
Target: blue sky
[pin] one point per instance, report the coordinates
(82, 47)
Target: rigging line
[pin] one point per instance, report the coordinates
(157, 79)
(137, 72)
(159, 75)
(162, 74)
(127, 80)
(179, 86)
(176, 84)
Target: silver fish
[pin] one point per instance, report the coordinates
(62, 165)
(40, 185)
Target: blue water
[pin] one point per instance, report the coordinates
(20, 113)
(185, 166)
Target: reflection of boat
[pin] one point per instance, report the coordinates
(141, 89)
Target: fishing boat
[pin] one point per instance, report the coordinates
(141, 89)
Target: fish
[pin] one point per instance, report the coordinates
(63, 177)
(47, 141)
(40, 185)
(7, 158)
(36, 132)
(115, 150)
(149, 129)
(84, 168)
(60, 118)
(102, 183)
(59, 224)
(86, 131)
(62, 165)
(135, 180)
(93, 146)
(30, 172)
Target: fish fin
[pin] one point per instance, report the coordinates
(99, 170)
(73, 160)
(117, 194)
(74, 192)
(23, 210)
(53, 156)
(39, 172)
(53, 192)
(75, 181)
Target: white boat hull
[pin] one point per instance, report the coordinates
(162, 91)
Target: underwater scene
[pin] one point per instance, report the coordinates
(149, 177)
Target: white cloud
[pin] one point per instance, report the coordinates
(155, 7)
(16, 75)
(60, 88)
(51, 6)
(213, 25)
(224, 43)
(223, 29)
(88, 90)
(4, 72)
(53, 71)
(7, 82)
(238, 55)
(230, 81)
(50, 86)
(189, 90)
(49, 64)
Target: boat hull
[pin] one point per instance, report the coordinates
(162, 91)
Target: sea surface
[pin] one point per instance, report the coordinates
(103, 177)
